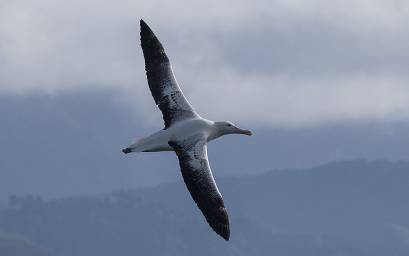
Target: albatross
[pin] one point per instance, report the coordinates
(185, 132)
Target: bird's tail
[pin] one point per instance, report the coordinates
(137, 146)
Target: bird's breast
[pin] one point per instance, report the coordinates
(189, 128)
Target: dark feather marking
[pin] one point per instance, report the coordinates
(200, 183)
(162, 83)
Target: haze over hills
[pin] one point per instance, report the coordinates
(69, 144)
(341, 208)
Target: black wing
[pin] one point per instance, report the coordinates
(162, 83)
(192, 154)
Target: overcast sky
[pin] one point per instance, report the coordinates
(315, 80)
(283, 63)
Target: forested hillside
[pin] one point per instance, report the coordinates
(353, 208)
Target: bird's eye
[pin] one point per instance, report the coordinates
(229, 125)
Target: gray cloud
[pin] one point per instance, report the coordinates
(286, 63)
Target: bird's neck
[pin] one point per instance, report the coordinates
(214, 133)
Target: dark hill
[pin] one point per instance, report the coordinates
(342, 208)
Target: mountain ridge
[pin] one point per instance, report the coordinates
(352, 207)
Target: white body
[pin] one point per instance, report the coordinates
(159, 140)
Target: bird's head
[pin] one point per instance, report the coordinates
(226, 127)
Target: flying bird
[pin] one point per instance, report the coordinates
(185, 132)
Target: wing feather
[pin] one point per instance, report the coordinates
(162, 83)
(192, 154)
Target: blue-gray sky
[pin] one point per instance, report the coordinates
(316, 80)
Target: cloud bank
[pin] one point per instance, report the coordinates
(281, 63)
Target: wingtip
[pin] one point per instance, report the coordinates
(147, 35)
(222, 228)
(145, 29)
(225, 232)
(142, 23)
(226, 236)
